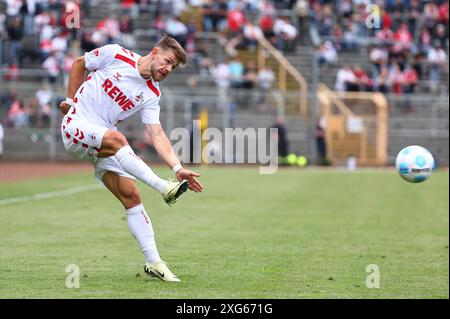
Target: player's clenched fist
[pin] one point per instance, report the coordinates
(65, 105)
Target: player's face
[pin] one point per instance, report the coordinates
(164, 62)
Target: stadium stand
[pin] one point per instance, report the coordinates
(404, 49)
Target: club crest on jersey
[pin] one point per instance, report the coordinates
(139, 98)
(117, 76)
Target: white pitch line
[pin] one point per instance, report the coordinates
(64, 192)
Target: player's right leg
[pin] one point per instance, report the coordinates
(115, 144)
(85, 140)
(139, 223)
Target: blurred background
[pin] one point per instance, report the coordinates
(345, 81)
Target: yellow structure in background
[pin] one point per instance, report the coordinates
(356, 121)
(203, 127)
(356, 125)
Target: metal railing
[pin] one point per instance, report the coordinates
(284, 68)
(427, 124)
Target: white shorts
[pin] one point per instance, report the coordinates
(83, 140)
(109, 164)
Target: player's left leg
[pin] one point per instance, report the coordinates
(125, 189)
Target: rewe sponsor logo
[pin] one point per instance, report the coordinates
(117, 95)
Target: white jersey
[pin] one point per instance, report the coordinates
(115, 90)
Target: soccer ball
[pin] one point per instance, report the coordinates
(414, 164)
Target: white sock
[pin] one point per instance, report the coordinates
(133, 165)
(142, 229)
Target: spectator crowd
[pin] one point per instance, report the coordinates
(409, 46)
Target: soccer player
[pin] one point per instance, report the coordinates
(120, 83)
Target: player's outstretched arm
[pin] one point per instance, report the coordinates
(76, 78)
(165, 150)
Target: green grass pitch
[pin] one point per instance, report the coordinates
(295, 234)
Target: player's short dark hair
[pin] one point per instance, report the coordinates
(169, 43)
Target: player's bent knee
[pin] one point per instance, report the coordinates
(131, 196)
(114, 140)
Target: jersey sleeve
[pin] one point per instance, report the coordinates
(100, 57)
(150, 113)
